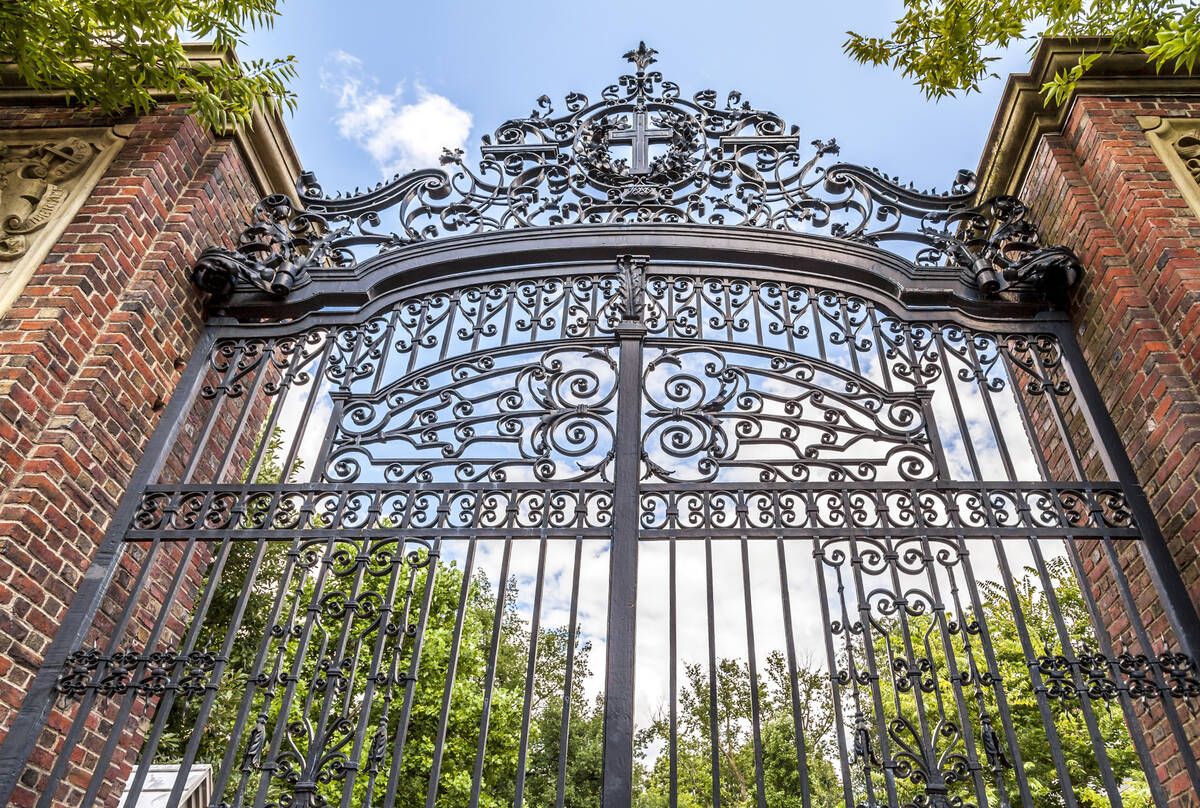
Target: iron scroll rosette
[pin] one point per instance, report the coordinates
(692, 161)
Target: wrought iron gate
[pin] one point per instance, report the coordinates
(654, 495)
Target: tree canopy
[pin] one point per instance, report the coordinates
(948, 46)
(115, 55)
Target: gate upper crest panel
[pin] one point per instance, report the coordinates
(698, 161)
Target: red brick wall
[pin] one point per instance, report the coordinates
(1100, 189)
(88, 354)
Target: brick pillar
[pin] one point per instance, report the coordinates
(1096, 181)
(94, 343)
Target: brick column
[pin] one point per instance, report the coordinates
(93, 346)
(1096, 183)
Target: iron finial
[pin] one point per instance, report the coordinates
(642, 57)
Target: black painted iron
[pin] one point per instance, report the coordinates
(620, 393)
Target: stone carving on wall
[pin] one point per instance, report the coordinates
(1177, 143)
(34, 183)
(1188, 149)
(45, 176)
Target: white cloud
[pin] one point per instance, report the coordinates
(402, 130)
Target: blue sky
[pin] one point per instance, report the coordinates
(384, 85)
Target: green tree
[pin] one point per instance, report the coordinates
(930, 663)
(945, 46)
(117, 54)
(582, 783)
(735, 739)
(372, 572)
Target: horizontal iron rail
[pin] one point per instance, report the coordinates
(998, 486)
(283, 511)
(665, 534)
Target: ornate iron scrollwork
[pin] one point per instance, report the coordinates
(1171, 674)
(694, 161)
(147, 673)
(274, 252)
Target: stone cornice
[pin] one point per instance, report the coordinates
(264, 144)
(1022, 117)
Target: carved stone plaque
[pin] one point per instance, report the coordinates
(45, 176)
(1177, 143)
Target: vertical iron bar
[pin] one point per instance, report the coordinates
(622, 599)
(1039, 687)
(535, 625)
(410, 682)
(849, 335)
(790, 643)
(1060, 421)
(819, 559)
(564, 730)
(250, 473)
(1022, 406)
(439, 742)
(393, 677)
(489, 679)
(388, 334)
(985, 393)
(310, 402)
(713, 728)
(948, 378)
(880, 355)
(863, 606)
(755, 718)
(673, 680)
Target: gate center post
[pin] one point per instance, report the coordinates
(622, 598)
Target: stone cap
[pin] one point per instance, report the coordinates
(1022, 116)
(264, 143)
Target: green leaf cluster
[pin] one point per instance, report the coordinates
(120, 55)
(948, 46)
(737, 771)
(1023, 705)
